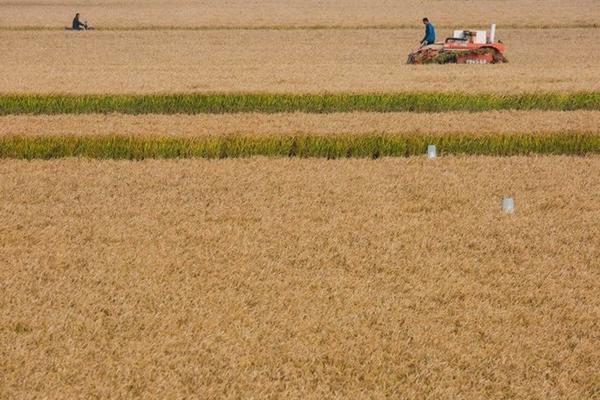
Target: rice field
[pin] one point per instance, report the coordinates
(297, 123)
(298, 278)
(224, 200)
(275, 61)
(308, 145)
(161, 14)
(307, 103)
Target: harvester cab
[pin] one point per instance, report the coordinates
(464, 47)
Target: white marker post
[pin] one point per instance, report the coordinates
(508, 205)
(431, 151)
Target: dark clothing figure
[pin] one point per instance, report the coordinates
(77, 24)
(429, 37)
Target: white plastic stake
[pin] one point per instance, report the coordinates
(508, 205)
(431, 151)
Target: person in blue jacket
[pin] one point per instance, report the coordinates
(429, 37)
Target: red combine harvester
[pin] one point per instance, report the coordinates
(465, 47)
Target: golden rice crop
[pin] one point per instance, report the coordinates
(285, 61)
(359, 123)
(296, 278)
(287, 277)
(252, 13)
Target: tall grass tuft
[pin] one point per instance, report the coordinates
(333, 146)
(310, 103)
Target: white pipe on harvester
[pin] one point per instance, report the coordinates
(493, 33)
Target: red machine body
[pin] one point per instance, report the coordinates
(467, 47)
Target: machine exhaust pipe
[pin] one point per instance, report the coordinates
(493, 33)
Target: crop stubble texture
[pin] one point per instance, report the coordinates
(304, 279)
(284, 61)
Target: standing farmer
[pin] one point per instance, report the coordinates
(429, 37)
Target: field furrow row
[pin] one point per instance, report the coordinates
(357, 123)
(308, 103)
(330, 146)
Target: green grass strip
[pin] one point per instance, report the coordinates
(309, 103)
(338, 146)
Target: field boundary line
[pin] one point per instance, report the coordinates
(307, 146)
(220, 103)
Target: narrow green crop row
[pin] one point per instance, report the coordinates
(310, 103)
(338, 146)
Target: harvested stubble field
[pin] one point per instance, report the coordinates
(358, 123)
(285, 61)
(290, 13)
(300, 278)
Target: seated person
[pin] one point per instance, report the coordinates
(77, 24)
